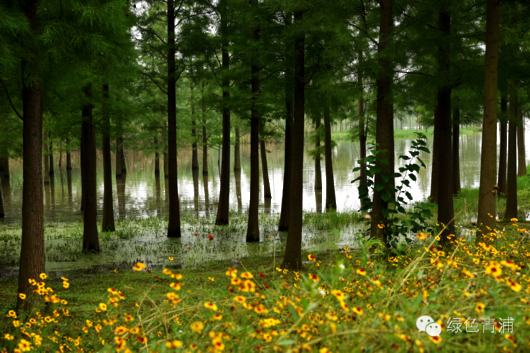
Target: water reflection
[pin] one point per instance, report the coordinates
(237, 177)
(318, 200)
(206, 194)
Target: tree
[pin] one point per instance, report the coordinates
(488, 159)
(108, 208)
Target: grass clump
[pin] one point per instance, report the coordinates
(344, 301)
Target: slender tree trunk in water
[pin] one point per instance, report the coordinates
(237, 151)
(164, 148)
(503, 127)
(253, 223)
(362, 131)
(286, 192)
(122, 159)
(32, 257)
(318, 168)
(435, 161)
(68, 157)
(521, 157)
(204, 136)
(224, 193)
(511, 182)
(60, 154)
(385, 128)
(6, 168)
(264, 168)
(88, 160)
(293, 248)
(157, 157)
(488, 159)
(331, 201)
(118, 158)
(52, 170)
(443, 132)
(194, 156)
(174, 206)
(108, 208)
(46, 164)
(456, 151)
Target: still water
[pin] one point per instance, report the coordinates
(142, 196)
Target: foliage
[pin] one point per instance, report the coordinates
(416, 220)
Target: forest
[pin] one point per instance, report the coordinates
(362, 166)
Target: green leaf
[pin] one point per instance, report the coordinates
(379, 186)
(293, 312)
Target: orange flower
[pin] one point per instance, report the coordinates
(311, 257)
(210, 236)
(421, 236)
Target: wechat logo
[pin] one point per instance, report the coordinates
(427, 324)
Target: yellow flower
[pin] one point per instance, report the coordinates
(240, 299)
(139, 266)
(381, 226)
(211, 279)
(218, 344)
(66, 284)
(514, 220)
(210, 305)
(421, 236)
(479, 307)
(43, 276)
(357, 310)
(120, 330)
(9, 337)
(324, 350)
(103, 306)
(197, 326)
(231, 272)
(247, 275)
(22, 296)
(338, 294)
(311, 257)
(436, 339)
(361, 272)
(174, 344)
(171, 258)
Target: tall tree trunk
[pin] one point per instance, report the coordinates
(318, 168)
(88, 160)
(157, 157)
(237, 151)
(108, 208)
(194, 154)
(224, 192)
(264, 168)
(52, 170)
(488, 159)
(60, 153)
(122, 159)
(503, 127)
(204, 136)
(46, 164)
(32, 258)
(384, 124)
(435, 161)
(511, 183)
(237, 174)
(83, 187)
(174, 207)
(286, 192)
(164, 148)
(293, 248)
(68, 156)
(521, 156)
(6, 168)
(118, 157)
(362, 129)
(443, 132)
(253, 223)
(331, 201)
(456, 151)
(206, 194)
(2, 213)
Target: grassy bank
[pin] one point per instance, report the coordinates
(342, 301)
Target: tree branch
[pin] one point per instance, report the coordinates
(156, 83)
(11, 102)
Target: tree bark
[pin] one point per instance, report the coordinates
(174, 207)
(46, 164)
(362, 129)
(237, 174)
(88, 160)
(385, 128)
(488, 160)
(122, 159)
(32, 258)
(511, 182)
(286, 191)
(456, 151)
(194, 155)
(435, 161)
(204, 136)
(108, 207)
(318, 168)
(442, 131)
(253, 223)
(164, 147)
(118, 156)
(224, 192)
(83, 187)
(264, 168)
(68, 157)
(521, 156)
(293, 248)
(237, 151)
(6, 168)
(331, 201)
(52, 170)
(157, 156)
(503, 127)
